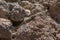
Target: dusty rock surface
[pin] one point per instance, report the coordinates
(29, 20)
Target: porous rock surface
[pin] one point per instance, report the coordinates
(29, 20)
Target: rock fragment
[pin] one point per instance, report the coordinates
(5, 23)
(17, 14)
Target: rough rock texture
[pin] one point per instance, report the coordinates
(29, 20)
(55, 12)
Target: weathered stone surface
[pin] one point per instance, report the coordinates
(55, 12)
(4, 33)
(29, 20)
(4, 14)
(26, 5)
(16, 12)
(5, 23)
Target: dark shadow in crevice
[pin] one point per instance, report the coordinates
(16, 23)
(10, 7)
(5, 38)
(11, 0)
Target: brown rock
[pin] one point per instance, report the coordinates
(55, 12)
(26, 5)
(3, 14)
(4, 33)
(3, 9)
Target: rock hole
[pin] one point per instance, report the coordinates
(16, 23)
(14, 36)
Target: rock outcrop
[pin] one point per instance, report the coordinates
(29, 20)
